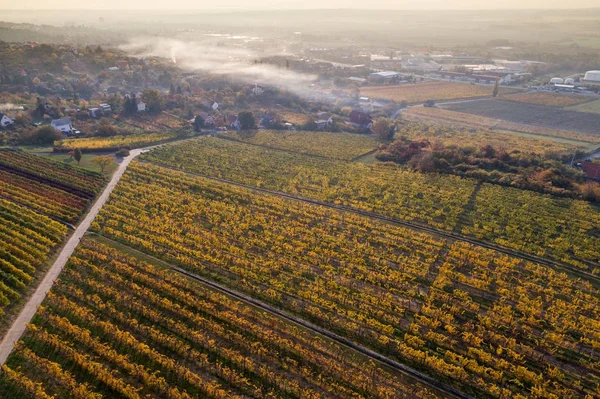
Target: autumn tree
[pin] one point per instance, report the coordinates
(384, 128)
(103, 162)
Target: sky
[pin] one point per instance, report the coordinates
(294, 4)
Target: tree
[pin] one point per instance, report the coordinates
(496, 88)
(103, 161)
(106, 130)
(198, 123)
(77, 155)
(42, 135)
(154, 101)
(384, 128)
(247, 121)
(172, 89)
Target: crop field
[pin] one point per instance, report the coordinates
(465, 119)
(115, 142)
(45, 186)
(343, 146)
(547, 98)
(421, 92)
(26, 240)
(531, 114)
(53, 173)
(485, 322)
(440, 201)
(476, 138)
(116, 326)
(561, 228)
(383, 188)
(591, 107)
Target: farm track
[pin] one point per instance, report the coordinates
(431, 382)
(416, 226)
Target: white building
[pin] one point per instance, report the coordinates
(5, 121)
(557, 81)
(592, 77)
(62, 125)
(141, 106)
(257, 90)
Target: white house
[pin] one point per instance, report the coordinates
(95, 112)
(62, 125)
(257, 90)
(141, 106)
(5, 120)
(106, 108)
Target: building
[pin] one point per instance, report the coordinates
(106, 108)
(592, 78)
(95, 112)
(257, 90)
(360, 119)
(557, 81)
(62, 125)
(122, 65)
(267, 119)
(141, 106)
(591, 170)
(5, 121)
(386, 77)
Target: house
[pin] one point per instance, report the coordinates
(386, 77)
(95, 112)
(591, 170)
(106, 108)
(141, 106)
(113, 69)
(5, 121)
(323, 124)
(62, 125)
(122, 65)
(257, 90)
(233, 122)
(360, 119)
(267, 119)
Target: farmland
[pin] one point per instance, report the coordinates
(421, 92)
(448, 135)
(482, 321)
(590, 107)
(26, 240)
(431, 199)
(464, 119)
(531, 114)
(324, 144)
(440, 201)
(547, 98)
(113, 143)
(137, 330)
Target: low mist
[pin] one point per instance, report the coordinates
(236, 63)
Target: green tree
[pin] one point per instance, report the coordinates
(496, 88)
(154, 101)
(198, 123)
(77, 155)
(247, 121)
(42, 135)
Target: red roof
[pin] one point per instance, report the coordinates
(122, 64)
(591, 170)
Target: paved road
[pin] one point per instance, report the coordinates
(20, 324)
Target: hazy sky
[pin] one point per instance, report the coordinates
(294, 4)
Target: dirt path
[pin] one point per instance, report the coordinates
(20, 324)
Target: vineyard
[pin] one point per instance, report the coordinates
(115, 326)
(45, 186)
(467, 120)
(547, 98)
(421, 92)
(468, 137)
(324, 144)
(115, 142)
(26, 240)
(437, 200)
(487, 323)
(387, 189)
